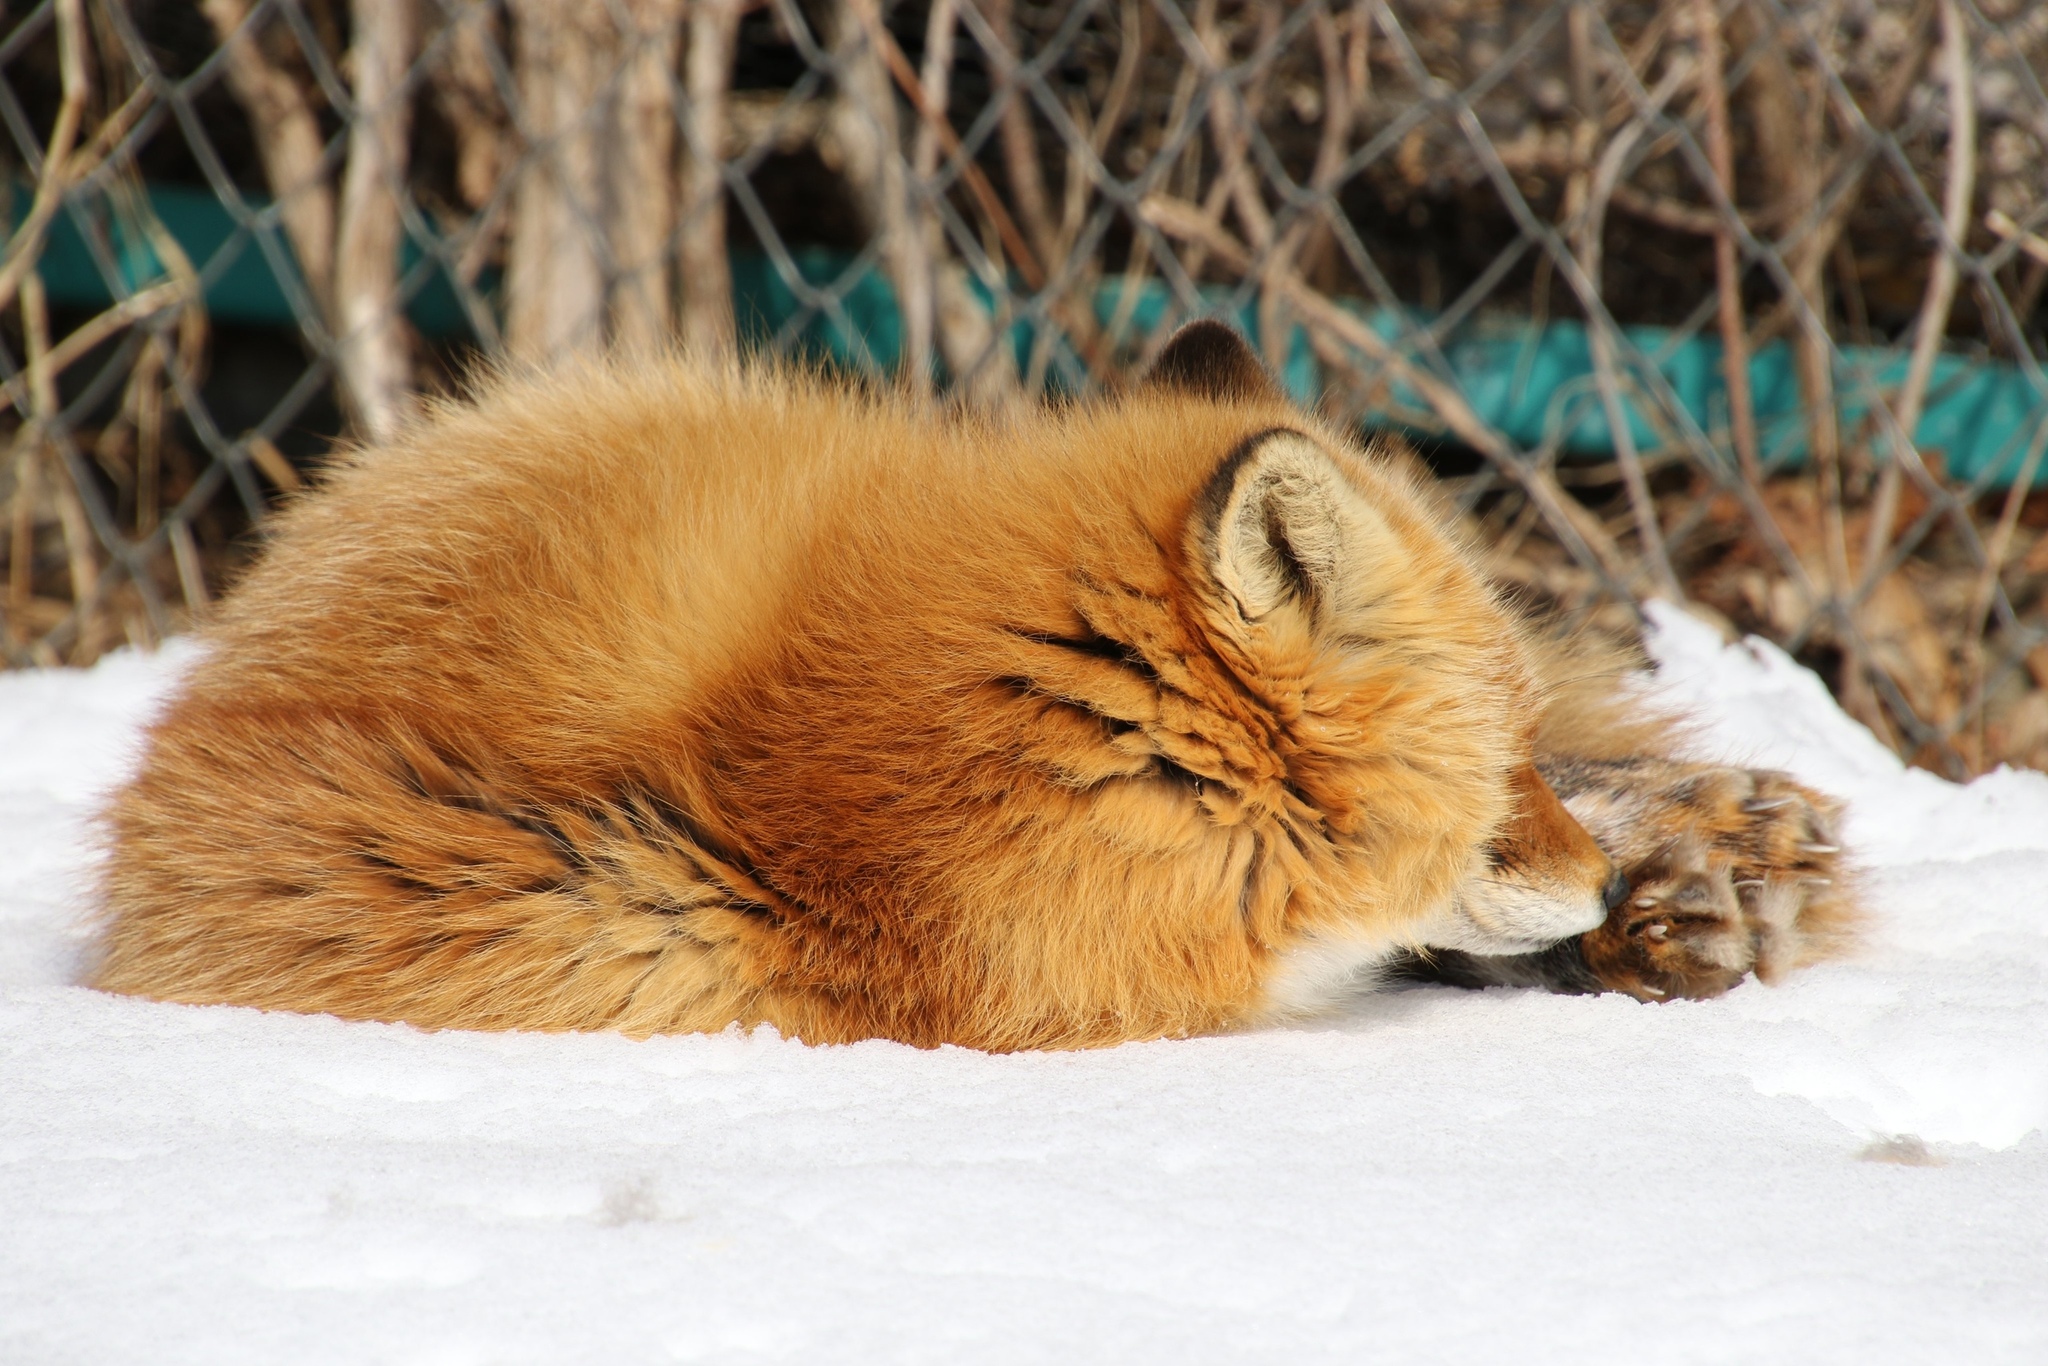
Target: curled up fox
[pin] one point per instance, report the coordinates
(653, 697)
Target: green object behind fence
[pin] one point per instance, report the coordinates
(1532, 382)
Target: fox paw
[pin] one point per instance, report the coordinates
(1680, 933)
(1730, 870)
(1787, 867)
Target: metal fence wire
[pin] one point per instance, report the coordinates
(1738, 302)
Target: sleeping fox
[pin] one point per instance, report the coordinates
(655, 698)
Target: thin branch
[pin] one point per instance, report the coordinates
(1727, 263)
(1782, 121)
(28, 459)
(1578, 529)
(191, 571)
(1338, 114)
(1592, 227)
(101, 326)
(1931, 329)
(1123, 82)
(1027, 262)
(864, 118)
(1020, 144)
(268, 458)
(1845, 172)
(465, 89)
(2032, 243)
(288, 141)
(57, 170)
(982, 367)
(2000, 545)
(1232, 138)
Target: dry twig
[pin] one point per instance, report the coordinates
(1931, 328)
(865, 124)
(287, 134)
(1592, 226)
(1727, 264)
(58, 169)
(1572, 524)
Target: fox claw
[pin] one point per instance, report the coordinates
(1731, 872)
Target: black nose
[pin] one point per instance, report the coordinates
(1616, 890)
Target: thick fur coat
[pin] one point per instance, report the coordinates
(649, 697)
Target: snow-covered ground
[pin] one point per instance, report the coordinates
(1851, 1167)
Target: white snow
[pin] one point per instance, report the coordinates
(1850, 1167)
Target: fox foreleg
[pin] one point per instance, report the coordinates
(1731, 871)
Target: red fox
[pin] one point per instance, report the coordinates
(650, 697)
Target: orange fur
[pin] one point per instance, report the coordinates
(651, 698)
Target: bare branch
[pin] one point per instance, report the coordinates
(1727, 265)
(982, 367)
(287, 135)
(1576, 527)
(866, 124)
(57, 170)
(1592, 227)
(1931, 328)
(2032, 243)
(1020, 144)
(466, 93)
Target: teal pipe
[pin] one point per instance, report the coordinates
(1532, 382)
(241, 287)
(1535, 384)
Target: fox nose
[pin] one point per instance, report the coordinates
(1616, 890)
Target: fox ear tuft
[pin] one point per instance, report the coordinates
(1281, 525)
(1209, 359)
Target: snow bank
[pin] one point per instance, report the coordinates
(1850, 1167)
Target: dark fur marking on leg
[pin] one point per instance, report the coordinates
(748, 888)
(1560, 969)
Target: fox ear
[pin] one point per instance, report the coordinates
(1280, 524)
(1207, 359)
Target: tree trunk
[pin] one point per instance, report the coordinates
(554, 277)
(373, 352)
(706, 272)
(641, 170)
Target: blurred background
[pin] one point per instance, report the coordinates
(1738, 302)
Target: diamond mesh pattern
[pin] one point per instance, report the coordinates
(1527, 236)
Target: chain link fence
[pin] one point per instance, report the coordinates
(1732, 301)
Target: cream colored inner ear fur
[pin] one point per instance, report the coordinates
(1293, 522)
